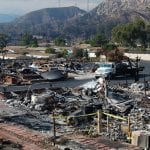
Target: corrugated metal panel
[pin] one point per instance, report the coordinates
(13, 88)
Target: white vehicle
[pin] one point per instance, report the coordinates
(112, 69)
(106, 70)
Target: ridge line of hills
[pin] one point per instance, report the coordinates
(74, 23)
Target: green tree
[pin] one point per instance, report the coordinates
(78, 53)
(28, 40)
(87, 42)
(110, 47)
(34, 42)
(140, 27)
(64, 52)
(148, 35)
(131, 34)
(98, 53)
(124, 34)
(50, 50)
(98, 41)
(59, 41)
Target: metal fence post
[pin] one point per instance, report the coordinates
(99, 122)
(129, 128)
(107, 124)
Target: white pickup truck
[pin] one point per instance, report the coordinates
(106, 70)
(112, 69)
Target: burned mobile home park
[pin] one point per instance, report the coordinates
(64, 105)
(75, 78)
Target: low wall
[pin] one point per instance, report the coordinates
(142, 56)
(145, 57)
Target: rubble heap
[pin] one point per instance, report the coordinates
(119, 101)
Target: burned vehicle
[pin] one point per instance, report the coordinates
(54, 74)
(128, 68)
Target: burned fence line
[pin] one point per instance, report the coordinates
(101, 125)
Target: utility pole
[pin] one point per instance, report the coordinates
(137, 69)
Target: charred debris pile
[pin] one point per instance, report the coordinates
(22, 72)
(75, 109)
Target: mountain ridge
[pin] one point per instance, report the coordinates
(48, 22)
(4, 18)
(74, 23)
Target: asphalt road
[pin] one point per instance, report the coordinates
(82, 79)
(131, 79)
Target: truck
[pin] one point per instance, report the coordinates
(113, 69)
(106, 70)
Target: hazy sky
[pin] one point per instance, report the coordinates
(23, 6)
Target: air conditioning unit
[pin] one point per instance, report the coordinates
(141, 139)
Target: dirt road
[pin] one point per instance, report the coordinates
(28, 139)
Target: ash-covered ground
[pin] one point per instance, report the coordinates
(77, 96)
